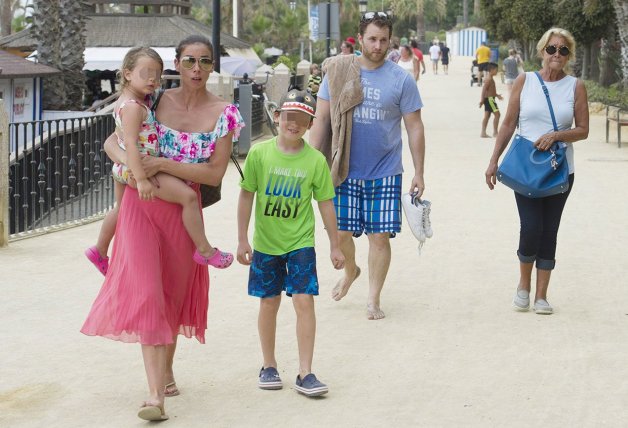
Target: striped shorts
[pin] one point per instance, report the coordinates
(371, 206)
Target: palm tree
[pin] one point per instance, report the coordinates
(47, 30)
(72, 51)
(59, 26)
(621, 11)
(417, 8)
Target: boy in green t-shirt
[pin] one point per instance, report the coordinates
(282, 175)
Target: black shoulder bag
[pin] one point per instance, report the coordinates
(209, 194)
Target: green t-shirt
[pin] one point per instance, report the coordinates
(284, 185)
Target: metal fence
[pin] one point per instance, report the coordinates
(59, 173)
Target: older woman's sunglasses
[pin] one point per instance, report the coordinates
(370, 16)
(204, 62)
(562, 50)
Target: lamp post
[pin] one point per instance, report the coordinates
(363, 6)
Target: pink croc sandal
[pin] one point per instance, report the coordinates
(219, 260)
(101, 263)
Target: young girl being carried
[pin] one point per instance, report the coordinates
(136, 130)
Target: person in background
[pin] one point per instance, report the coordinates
(351, 41)
(419, 55)
(511, 69)
(487, 99)
(409, 62)
(482, 56)
(315, 79)
(528, 109)
(394, 53)
(445, 57)
(435, 56)
(346, 48)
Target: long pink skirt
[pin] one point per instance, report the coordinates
(153, 289)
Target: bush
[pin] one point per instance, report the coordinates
(613, 95)
(286, 60)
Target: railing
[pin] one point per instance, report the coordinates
(59, 174)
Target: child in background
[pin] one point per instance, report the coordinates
(282, 175)
(136, 130)
(315, 79)
(489, 93)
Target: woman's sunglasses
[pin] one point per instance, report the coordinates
(551, 50)
(370, 16)
(204, 62)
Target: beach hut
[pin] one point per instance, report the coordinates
(466, 41)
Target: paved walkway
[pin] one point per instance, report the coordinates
(451, 351)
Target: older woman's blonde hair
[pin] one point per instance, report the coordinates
(560, 32)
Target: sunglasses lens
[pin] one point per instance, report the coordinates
(188, 62)
(564, 51)
(205, 63)
(551, 50)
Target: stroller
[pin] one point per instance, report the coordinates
(475, 73)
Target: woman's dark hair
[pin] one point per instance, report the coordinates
(192, 40)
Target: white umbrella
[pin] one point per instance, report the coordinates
(273, 51)
(237, 66)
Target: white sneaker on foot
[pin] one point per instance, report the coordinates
(521, 302)
(541, 307)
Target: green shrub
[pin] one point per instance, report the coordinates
(286, 60)
(613, 95)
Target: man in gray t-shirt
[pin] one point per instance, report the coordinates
(511, 70)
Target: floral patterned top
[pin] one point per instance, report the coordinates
(197, 147)
(147, 141)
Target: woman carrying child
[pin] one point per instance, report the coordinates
(154, 290)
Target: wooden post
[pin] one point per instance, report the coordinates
(4, 176)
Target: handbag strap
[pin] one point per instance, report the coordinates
(233, 158)
(547, 97)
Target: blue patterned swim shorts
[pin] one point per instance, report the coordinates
(294, 272)
(371, 206)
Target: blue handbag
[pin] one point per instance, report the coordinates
(535, 173)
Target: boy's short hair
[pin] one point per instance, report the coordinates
(492, 66)
(298, 100)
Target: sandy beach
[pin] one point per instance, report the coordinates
(451, 351)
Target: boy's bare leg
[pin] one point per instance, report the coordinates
(379, 262)
(267, 328)
(352, 271)
(108, 228)
(306, 331)
(172, 189)
(495, 123)
(487, 115)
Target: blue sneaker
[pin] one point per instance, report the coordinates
(310, 386)
(269, 378)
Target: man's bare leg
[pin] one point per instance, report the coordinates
(352, 271)
(379, 262)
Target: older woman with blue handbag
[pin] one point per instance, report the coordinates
(550, 109)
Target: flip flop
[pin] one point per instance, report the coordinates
(174, 391)
(152, 413)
